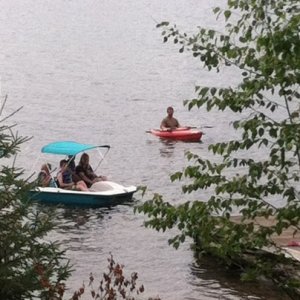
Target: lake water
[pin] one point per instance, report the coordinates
(97, 72)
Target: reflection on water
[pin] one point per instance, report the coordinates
(216, 282)
(167, 150)
(73, 218)
(169, 146)
(78, 227)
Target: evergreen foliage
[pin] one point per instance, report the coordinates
(30, 267)
(261, 41)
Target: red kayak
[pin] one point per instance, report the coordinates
(180, 134)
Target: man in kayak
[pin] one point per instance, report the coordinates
(169, 122)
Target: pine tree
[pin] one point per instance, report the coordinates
(30, 267)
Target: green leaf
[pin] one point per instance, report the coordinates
(227, 14)
(216, 10)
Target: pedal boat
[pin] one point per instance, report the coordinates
(105, 194)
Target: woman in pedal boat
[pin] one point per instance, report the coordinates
(44, 177)
(85, 171)
(64, 178)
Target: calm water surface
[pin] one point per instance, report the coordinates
(98, 72)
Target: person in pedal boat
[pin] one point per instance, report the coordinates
(72, 168)
(169, 122)
(44, 177)
(85, 171)
(64, 178)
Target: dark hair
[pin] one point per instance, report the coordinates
(63, 162)
(71, 157)
(83, 157)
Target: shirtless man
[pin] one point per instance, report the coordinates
(169, 122)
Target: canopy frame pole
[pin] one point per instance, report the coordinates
(102, 157)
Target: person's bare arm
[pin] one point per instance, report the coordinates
(85, 178)
(46, 181)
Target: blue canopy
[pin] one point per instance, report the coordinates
(69, 148)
